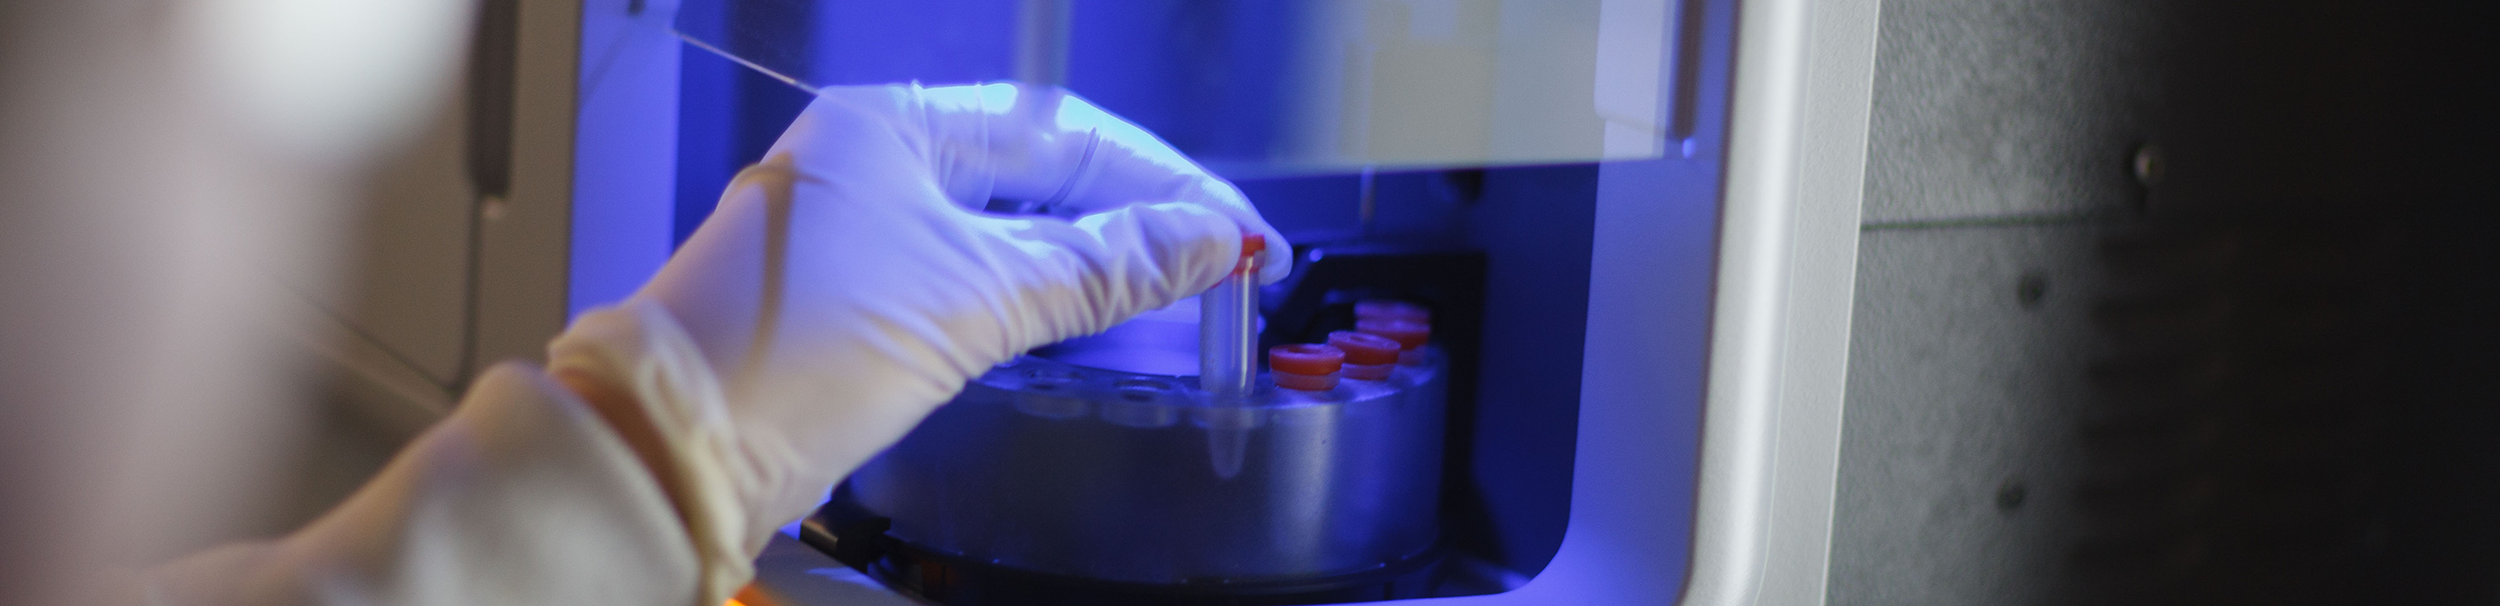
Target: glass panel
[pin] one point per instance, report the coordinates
(1262, 87)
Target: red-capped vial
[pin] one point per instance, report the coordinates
(1386, 309)
(1410, 336)
(1305, 366)
(1368, 357)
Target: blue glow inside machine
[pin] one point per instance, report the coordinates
(1459, 155)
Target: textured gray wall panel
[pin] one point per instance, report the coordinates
(2006, 107)
(2000, 131)
(1962, 387)
(2261, 378)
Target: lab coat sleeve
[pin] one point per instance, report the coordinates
(522, 496)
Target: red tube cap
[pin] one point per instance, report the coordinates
(1409, 335)
(1251, 246)
(1384, 309)
(1361, 348)
(1305, 359)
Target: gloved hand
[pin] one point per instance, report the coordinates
(844, 287)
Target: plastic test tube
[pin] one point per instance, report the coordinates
(1228, 323)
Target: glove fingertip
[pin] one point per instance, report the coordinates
(1277, 262)
(1203, 231)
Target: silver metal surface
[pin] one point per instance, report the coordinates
(1049, 467)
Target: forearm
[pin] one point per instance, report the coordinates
(624, 415)
(525, 495)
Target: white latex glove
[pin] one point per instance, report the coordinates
(844, 287)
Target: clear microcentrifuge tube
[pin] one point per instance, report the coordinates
(1228, 324)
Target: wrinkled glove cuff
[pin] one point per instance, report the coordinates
(639, 347)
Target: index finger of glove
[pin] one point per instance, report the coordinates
(1130, 167)
(1041, 144)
